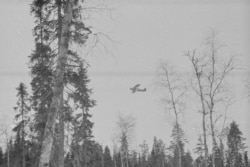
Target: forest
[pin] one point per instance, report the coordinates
(53, 125)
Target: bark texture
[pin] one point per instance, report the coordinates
(58, 87)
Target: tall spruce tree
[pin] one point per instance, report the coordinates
(158, 153)
(59, 30)
(22, 110)
(169, 80)
(177, 144)
(82, 126)
(108, 162)
(235, 145)
(143, 153)
(246, 160)
(41, 72)
(187, 160)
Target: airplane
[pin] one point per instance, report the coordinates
(136, 88)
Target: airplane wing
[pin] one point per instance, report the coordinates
(136, 86)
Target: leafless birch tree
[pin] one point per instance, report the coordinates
(211, 73)
(4, 132)
(198, 68)
(175, 91)
(125, 124)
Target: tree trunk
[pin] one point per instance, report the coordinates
(198, 72)
(102, 160)
(203, 119)
(179, 153)
(23, 152)
(213, 136)
(58, 87)
(127, 158)
(23, 144)
(114, 159)
(61, 136)
(178, 132)
(8, 155)
(85, 153)
(176, 121)
(60, 114)
(121, 159)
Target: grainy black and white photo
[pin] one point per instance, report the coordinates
(125, 83)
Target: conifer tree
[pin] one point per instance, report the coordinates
(187, 160)
(82, 126)
(199, 147)
(158, 153)
(41, 72)
(22, 110)
(107, 158)
(177, 144)
(1, 156)
(235, 144)
(55, 37)
(144, 153)
(246, 160)
(169, 79)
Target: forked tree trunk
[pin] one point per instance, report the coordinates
(203, 118)
(58, 87)
(198, 73)
(178, 128)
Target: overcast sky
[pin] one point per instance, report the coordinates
(143, 33)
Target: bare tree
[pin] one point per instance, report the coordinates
(175, 91)
(125, 124)
(4, 132)
(198, 68)
(211, 72)
(215, 76)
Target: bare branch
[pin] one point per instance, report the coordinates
(219, 117)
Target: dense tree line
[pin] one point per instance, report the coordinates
(91, 153)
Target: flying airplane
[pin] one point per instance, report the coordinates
(136, 88)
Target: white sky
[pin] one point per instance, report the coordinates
(146, 32)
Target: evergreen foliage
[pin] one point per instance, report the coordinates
(107, 157)
(1, 156)
(22, 109)
(235, 145)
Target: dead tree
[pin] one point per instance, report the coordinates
(175, 91)
(216, 77)
(198, 70)
(211, 72)
(125, 126)
(4, 131)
